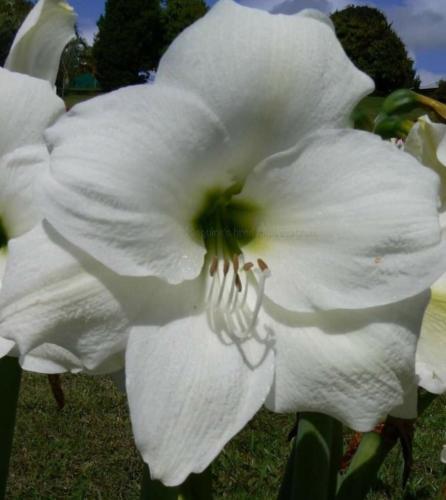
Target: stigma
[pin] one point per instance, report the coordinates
(235, 294)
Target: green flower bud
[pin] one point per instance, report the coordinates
(392, 126)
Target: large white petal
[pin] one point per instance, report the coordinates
(30, 106)
(356, 366)
(19, 170)
(53, 294)
(348, 221)
(270, 78)
(190, 390)
(441, 150)
(431, 350)
(50, 359)
(3, 260)
(39, 43)
(424, 142)
(5, 346)
(129, 171)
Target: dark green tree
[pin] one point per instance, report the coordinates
(374, 47)
(440, 93)
(76, 59)
(128, 43)
(179, 14)
(12, 14)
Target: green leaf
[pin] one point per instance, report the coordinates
(400, 101)
(392, 126)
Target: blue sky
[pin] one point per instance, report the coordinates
(421, 24)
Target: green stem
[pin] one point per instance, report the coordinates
(10, 375)
(364, 467)
(369, 457)
(196, 487)
(313, 465)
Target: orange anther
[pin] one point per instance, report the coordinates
(262, 265)
(214, 266)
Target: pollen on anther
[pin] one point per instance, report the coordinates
(214, 266)
(248, 266)
(262, 265)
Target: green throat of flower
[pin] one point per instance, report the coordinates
(226, 224)
(235, 288)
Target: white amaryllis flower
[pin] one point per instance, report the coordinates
(28, 105)
(427, 142)
(277, 254)
(70, 294)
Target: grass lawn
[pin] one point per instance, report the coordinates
(85, 451)
(371, 105)
(73, 99)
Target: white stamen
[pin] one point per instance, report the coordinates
(222, 286)
(231, 290)
(227, 296)
(264, 273)
(247, 268)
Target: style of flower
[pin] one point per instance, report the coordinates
(427, 142)
(266, 253)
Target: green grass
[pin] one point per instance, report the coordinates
(73, 99)
(86, 450)
(371, 106)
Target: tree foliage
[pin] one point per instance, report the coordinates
(76, 59)
(440, 93)
(133, 34)
(374, 47)
(128, 43)
(12, 14)
(179, 14)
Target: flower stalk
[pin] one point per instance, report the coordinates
(10, 376)
(373, 450)
(313, 466)
(363, 470)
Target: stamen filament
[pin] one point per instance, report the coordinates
(263, 275)
(232, 303)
